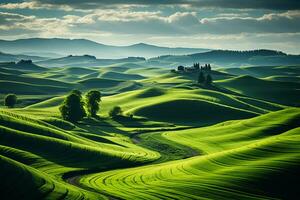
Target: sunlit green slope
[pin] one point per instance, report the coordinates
(286, 93)
(247, 159)
(37, 154)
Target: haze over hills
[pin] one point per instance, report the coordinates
(223, 58)
(229, 58)
(5, 57)
(80, 52)
(53, 46)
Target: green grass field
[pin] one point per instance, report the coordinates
(238, 138)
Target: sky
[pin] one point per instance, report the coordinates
(215, 24)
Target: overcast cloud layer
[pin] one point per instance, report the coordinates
(230, 24)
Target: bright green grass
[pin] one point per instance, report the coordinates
(244, 159)
(286, 93)
(46, 152)
(230, 160)
(175, 105)
(265, 71)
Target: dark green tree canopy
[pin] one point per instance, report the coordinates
(115, 112)
(72, 108)
(201, 77)
(10, 100)
(93, 98)
(180, 68)
(79, 93)
(208, 80)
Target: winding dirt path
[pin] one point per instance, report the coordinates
(74, 177)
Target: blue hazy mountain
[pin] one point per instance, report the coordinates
(6, 57)
(229, 58)
(42, 46)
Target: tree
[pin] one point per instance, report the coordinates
(196, 66)
(209, 67)
(201, 77)
(115, 112)
(78, 92)
(180, 68)
(10, 100)
(72, 108)
(208, 80)
(93, 99)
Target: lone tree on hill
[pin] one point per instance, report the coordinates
(208, 80)
(93, 99)
(10, 100)
(72, 108)
(115, 112)
(201, 77)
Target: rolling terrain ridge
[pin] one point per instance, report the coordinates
(238, 138)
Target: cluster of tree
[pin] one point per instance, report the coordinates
(206, 67)
(195, 67)
(22, 62)
(10, 100)
(75, 107)
(205, 80)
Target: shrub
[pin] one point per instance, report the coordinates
(115, 112)
(10, 100)
(180, 68)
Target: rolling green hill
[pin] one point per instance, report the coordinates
(286, 93)
(237, 138)
(246, 159)
(41, 152)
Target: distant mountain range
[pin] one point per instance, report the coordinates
(56, 46)
(5, 57)
(218, 58)
(226, 58)
(86, 61)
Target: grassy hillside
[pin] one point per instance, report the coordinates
(43, 153)
(290, 72)
(261, 154)
(237, 138)
(200, 106)
(275, 91)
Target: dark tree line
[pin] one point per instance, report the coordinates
(194, 67)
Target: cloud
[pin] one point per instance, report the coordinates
(34, 5)
(190, 25)
(21, 24)
(186, 23)
(239, 4)
(157, 23)
(94, 4)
